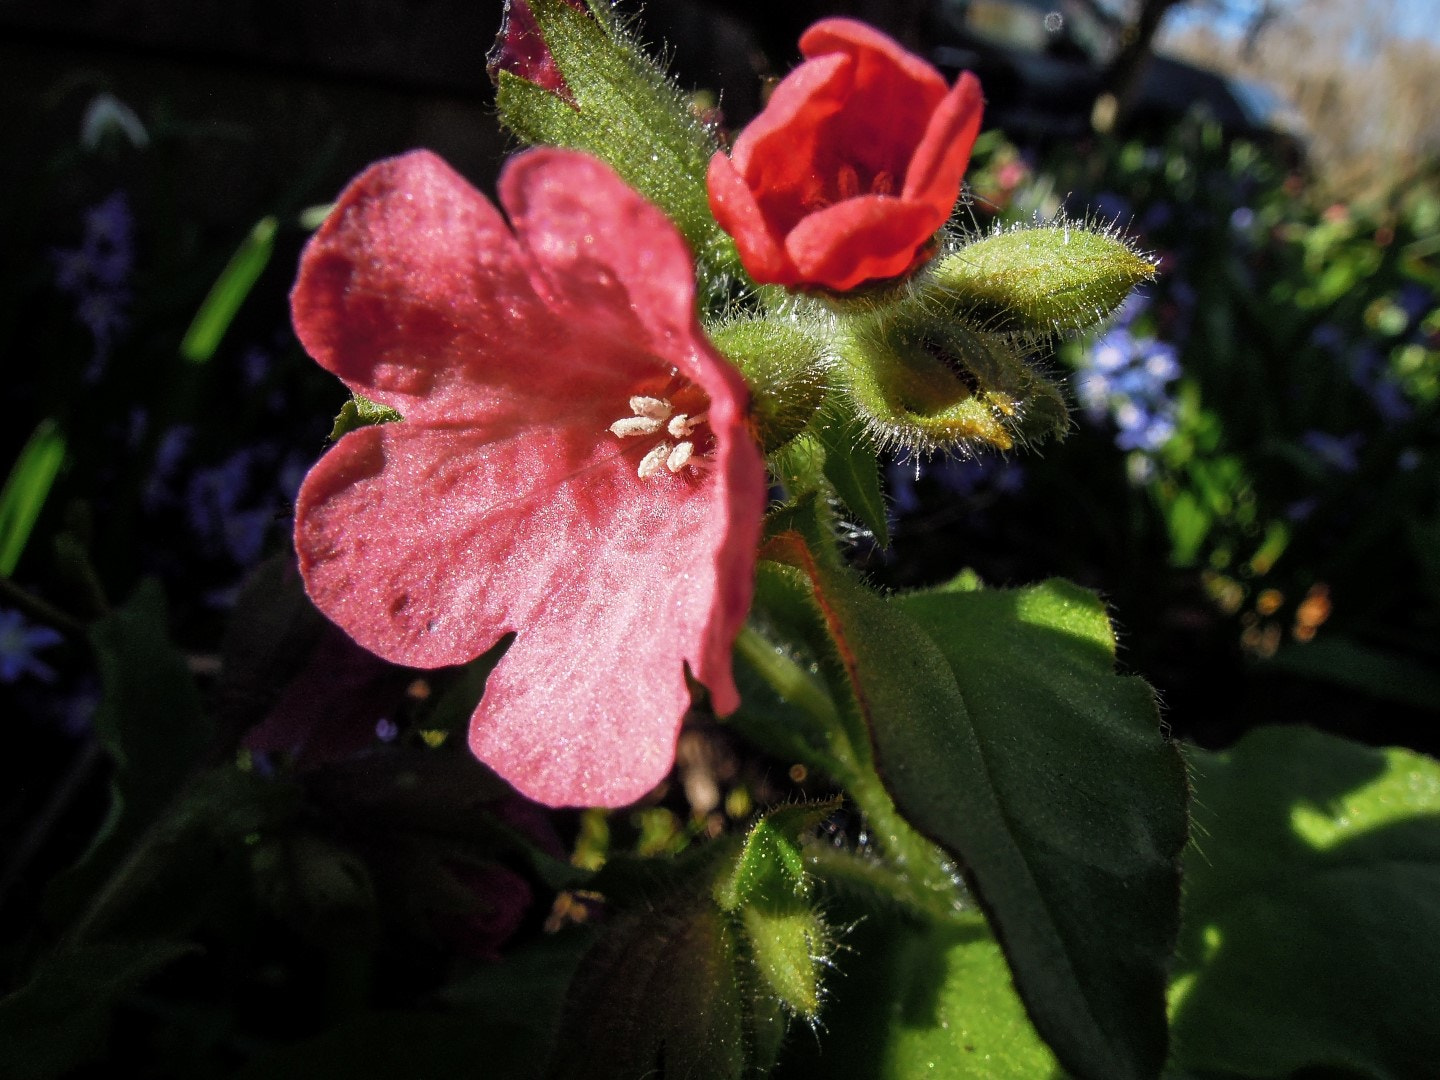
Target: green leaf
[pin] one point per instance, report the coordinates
(627, 113)
(1311, 930)
(1043, 279)
(1055, 788)
(922, 1000)
(851, 466)
(150, 721)
(26, 489)
(60, 1019)
(228, 293)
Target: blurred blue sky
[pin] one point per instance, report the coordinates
(1410, 18)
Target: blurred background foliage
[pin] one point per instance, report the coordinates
(1252, 479)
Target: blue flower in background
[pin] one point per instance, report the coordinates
(1126, 379)
(215, 504)
(19, 641)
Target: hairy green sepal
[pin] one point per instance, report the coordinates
(785, 368)
(922, 380)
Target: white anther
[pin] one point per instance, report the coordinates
(680, 456)
(682, 426)
(635, 425)
(654, 461)
(653, 407)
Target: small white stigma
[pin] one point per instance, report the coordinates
(652, 462)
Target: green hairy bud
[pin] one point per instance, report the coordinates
(1044, 279)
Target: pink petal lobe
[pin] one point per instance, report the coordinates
(412, 276)
(601, 251)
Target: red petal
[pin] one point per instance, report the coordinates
(734, 206)
(944, 153)
(863, 239)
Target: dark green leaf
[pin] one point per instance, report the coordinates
(1385, 675)
(61, 1018)
(1067, 807)
(1311, 933)
(151, 723)
(412, 1045)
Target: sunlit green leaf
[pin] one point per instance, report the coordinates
(1056, 789)
(918, 1001)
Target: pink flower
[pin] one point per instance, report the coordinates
(852, 167)
(573, 465)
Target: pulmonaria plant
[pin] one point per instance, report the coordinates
(575, 418)
(573, 465)
(853, 166)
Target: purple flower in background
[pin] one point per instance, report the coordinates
(97, 272)
(216, 504)
(1337, 452)
(19, 642)
(1416, 301)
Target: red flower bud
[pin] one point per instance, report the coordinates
(852, 167)
(521, 50)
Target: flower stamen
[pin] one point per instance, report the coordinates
(657, 416)
(652, 462)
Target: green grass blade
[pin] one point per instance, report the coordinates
(229, 292)
(26, 489)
